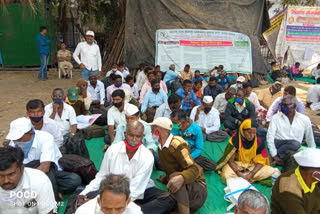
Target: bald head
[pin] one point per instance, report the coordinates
(135, 125)
(134, 133)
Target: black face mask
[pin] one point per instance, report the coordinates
(156, 90)
(211, 86)
(36, 119)
(207, 110)
(117, 105)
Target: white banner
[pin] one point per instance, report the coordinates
(203, 49)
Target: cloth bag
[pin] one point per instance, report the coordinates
(75, 145)
(93, 131)
(235, 186)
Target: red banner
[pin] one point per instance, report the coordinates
(205, 43)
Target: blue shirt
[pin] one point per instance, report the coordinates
(192, 96)
(194, 79)
(193, 135)
(223, 82)
(151, 99)
(170, 75)
(43, 44)
(213, 92)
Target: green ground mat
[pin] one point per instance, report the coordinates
(215, 202)
(306, 79)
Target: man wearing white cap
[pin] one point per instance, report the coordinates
(90, 56)
(207, 117)
(184, 181)
(240, 81)
(42, 153)
(132, 114)
(298, 190)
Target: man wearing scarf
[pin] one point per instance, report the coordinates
(246, 156)
(132, 159)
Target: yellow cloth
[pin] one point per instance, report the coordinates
(304, 186)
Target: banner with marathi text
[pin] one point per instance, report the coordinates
(203, 49)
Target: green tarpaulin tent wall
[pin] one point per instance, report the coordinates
(18, 29)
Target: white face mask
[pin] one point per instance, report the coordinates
(314, 175)
(114, 69)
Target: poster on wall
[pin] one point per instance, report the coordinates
(303, 26)
(203, 49)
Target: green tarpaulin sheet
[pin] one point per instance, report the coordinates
(306, 79)
(215, 202)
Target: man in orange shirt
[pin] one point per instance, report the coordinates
(197, 86)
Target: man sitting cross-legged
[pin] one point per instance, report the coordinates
(184, 181)
(131, 158)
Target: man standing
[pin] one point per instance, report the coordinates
(64, 60)
(183, 178)
(189, 99)
(213, 88)
(35, 111)
(90, 56)
(62, 113)
(287, 130)
(298, 191)
(186, 73)
(165, 109)
(96, 89)
(37, 194)
(207, 117)
(44, 50)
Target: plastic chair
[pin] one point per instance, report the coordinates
(59, 71)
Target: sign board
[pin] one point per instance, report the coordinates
(303, 26)
(203, 49)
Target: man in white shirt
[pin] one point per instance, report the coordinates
(142, 78)
(114, 197)
(221, 101)
(313, 96)
(114, 70)
(96, 89)
(35, 111)
(23, 190)
(252, 97)
(133, 87)
(207, 117)
(42, 153)
(315, 72)
(90, 56)
(122, 68)
(62, 113)
(132, 159)
(165, 109)
(287, 130)
(116, 114)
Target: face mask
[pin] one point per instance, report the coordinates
(175, 126)
(285, 110)
(114, 69)
(156, 90)
(117, 105)
(36, 119)
(239, 100)
(132, 148)
(314, 175)
(207, 109)
(57, 100)
(211, 86)
(155, 136)
(118, 85)
(239, 85)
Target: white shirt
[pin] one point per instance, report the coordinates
(43, 149)
(210, 121)
(116, 73)
(93, 207)
(115, 117)
(32, 181)
(89, 54)
(313, 95)
(67, 119)
(52, 127)
(116, 161)
(125, 73)
(142, 78)
(281, 129)
(315, 72)
(163, 111)
(134, 90)
(255, 101)
(220, 103)
(97, 93)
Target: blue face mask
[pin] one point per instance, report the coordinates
(239, 100)
(57, 100)
(285, 110)
(118, 85)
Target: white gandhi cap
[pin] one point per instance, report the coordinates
(207, 99)
(18, 128)
(310, 157)
(131, 110)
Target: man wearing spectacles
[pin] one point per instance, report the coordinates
(287, 130)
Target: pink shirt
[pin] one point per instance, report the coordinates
(295, 70)
(112, 88)
(147, 86)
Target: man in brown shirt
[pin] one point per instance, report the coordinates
(73, 100)
(186, 73)
(64, 58)
(269, 95)
(185, 182)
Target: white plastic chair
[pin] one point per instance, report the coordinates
(59, 71)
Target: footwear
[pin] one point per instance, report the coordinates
(62, 76)
(67, 76)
